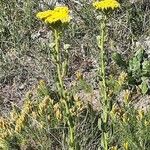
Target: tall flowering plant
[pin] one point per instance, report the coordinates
(105, 7)
(57, 19)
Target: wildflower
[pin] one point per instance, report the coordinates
(57, 111)
(44, 15)
(58, 114)
(106, 4)
(20, 122)
(43, 105)
(59, 14)
(26, 107)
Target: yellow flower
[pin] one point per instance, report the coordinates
(57, 111)
(58, 114)
(45, 14)
(43, 105)
(59, 14)
(20, 122)
(106, 4)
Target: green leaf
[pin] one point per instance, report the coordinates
(144, 87)
(135, 67)
(139, 55)
(146, 67)
(100, 124)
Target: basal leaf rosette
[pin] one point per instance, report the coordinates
(105, 5)
(59, 16)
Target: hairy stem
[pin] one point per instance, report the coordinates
(103, 87)
(61, 89)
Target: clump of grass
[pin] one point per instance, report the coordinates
(131, 129)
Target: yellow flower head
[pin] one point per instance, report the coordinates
(59, 14)
(106, 4)
(44, 15)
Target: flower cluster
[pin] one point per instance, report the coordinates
(43, 105)
(59, 14)
(57, 111)
(106, 4)
(23, 116)
(4, 128)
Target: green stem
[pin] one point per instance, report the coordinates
(60, 85)
(103, 89)
(71, 127)
(102, 60)
(72, 140)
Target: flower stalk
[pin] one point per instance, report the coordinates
(57, 53)
(103, 86)
(61, 89)
(57, 19)
(102, 58)
(105, 6)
